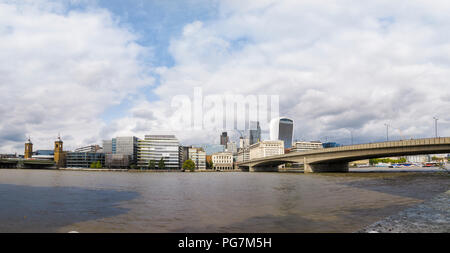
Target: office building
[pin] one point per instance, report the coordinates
(266, 148)
(90, 148)
(243, 155)
(155, 147)
(331, 145)
(198, 156)
(222, 161)
(83, 159)
(224, 139)
(244, 142)
(231, 147)
(254, 132)
(107, 146)
(282, 129)
(117, 161)
(122, 146)
(302, 146)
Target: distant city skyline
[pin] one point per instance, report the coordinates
(92, 70)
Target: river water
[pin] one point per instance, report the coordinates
(63, 201)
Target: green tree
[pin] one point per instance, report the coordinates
(93, 165)
(209, 165)
(98, 165)
(161, 164)
(189, 165)
(151, 165)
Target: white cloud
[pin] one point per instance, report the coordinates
(59, 70)
(336, 65)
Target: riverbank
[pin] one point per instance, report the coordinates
(432, 216)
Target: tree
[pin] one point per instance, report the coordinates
(209, 165)
(93, 165)
(161, 164)
(189, 165)
(151, 165)
(98, 165)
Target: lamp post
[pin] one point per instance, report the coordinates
(435, 125)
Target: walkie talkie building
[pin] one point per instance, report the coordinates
(282, 129)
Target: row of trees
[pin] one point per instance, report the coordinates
(386, 160)
(189, 165)
(96, 165)
(152, 164)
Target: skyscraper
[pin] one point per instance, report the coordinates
(282, 129)
(255, 132)
(224, 139)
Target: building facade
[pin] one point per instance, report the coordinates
(222, 161)
(282, 129)
(244, 142)
(83, 159)
(243, 155)
(157, 147)
(90, 148)
(224, 139)
(302, 146)
(198, 156)
(107, 146)
(254, 133)
(117, 161)
(231, 147)
(266, 148)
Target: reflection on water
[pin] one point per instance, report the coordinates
(64, 201)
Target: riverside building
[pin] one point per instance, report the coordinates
(198, 156)
(222, 161)
(155, 147)
(127, 146)
(302, 146)
(266, 148)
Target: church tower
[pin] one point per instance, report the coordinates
(58, 150)
(28, 149)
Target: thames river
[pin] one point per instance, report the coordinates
(64, 201)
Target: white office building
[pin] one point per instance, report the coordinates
(243, 155)
(155, 147)
(302, 146)
(266, 148)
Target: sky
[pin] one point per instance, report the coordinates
(93, 70)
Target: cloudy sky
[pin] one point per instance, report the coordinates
(92, 70)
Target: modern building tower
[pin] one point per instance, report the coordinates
(28, 149)
(282, 129)
(255, 132)
(224, 139)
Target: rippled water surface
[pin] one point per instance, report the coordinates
(63, 201)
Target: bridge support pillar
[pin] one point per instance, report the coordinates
(326, 167)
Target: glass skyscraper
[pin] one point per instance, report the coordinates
(282, 129)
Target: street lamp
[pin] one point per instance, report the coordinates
(387, 131)
(435, 125)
